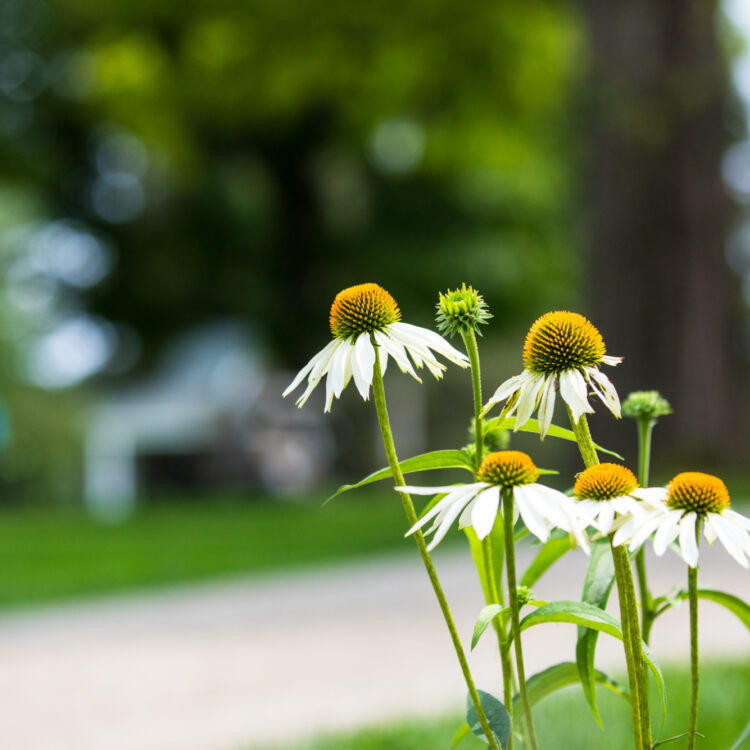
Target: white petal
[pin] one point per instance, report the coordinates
(484, 511)
(363, 364)
(608, 394)
(527, 401)
(508, 388)
(728, 535)
(336, 370)
(737, 519)
(708, 530)
(606, 516)
(322, 367)
(547, 404)
(611, 360)
(643, 528)
(316, 367)
(396, 349)
(445, 524)
(666, 533)
(652, 495)
(574, 393)
(533, 519)
(688, 544)
(433, 341)
(625, 532)
(416, 490)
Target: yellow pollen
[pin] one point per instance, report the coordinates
(562, 341)
(507, 469)
(362, 309)
(697, 492)
(604, 481)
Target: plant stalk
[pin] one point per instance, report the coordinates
(694, 671)
(631, 631)
(411, 515)
(470, 342)
(645, 428)
(510, 565)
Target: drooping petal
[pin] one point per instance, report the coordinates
(666, 533)
(688, 544)
(322, 367)
(606, 516)
(642, 529)
(484, 511)
(508, 388)
(337, 373)
(654, 496)
(450, 516)
(527, 401)
(434, 341)
(363, 364)
(396, 349)
(315, 366)
(574, 392)
(611, 360)
(531, 516)
(608, 394)
(547, 404)
(731, 537)
(737, 518)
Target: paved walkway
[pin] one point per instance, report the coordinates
(258, 663)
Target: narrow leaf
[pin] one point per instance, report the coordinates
(597, 586)
(734, 604)
(497, 716)
(581, 613)
(745, 734)
(448, 459)
(561, 675)
(485, 618)
(461, 732)
(676, 737)
(550, 553)
(508, 423)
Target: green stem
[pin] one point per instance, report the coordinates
(631, 631)
(622, 563)
(510, 565)
(470, 342)
(411, 515)
(645, 428)
(495, 597)
(694, 672)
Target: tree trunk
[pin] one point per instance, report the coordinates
(662, 292)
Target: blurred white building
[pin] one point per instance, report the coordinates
(210, 415)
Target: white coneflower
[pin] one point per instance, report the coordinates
(360, 316)
(691, 500)
(608, 492)
(541, 508)
(562, 351)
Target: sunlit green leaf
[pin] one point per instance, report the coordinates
(485, 618)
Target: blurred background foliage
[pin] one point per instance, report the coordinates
(164, 164)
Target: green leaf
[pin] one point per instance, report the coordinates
(497, 538)
(497, 716)
(597, 586)
(676, 737)
(745, 734)
(590, 616)
(449, 459)
(509, 423)
(550, 553)
(485, 618)
(561, 675)
(461, 732)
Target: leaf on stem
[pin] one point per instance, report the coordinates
(597, 586)
(486, 616)
(448, 459)
(532, 425)
(497, 717)
(461, 732)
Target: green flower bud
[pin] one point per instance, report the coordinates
(646, 405)
(460, 311)
(525, 596)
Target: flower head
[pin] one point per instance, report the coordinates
(646, 405)
(478, 503)
(562, 352)
(606, 495)
(691, 501)
(364, 317)
(461, 310)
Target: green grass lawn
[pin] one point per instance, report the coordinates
(48, 554)
(564, 721)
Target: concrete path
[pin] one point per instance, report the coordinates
(259, 663)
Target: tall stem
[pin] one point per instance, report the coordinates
(470, 342)
(645, 428)
(631, 631)
(411, 515)
(694, 672)
(510, 565)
